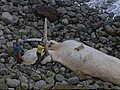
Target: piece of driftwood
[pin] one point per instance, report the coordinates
(80, 57)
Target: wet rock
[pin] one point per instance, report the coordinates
(118, 32)
(13, 82)
(103, 39)
(59, 77)
(49, 12)
(2, 66)
(40, 84)
(1, 32)
(73, 80)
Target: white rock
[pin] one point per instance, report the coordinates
(13, 82)
(30, 57)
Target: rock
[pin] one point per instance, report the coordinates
(64, 82)
(30, 57)
(50, 80)
(2, 66)
(40, 84)
(59, 77)
(1, 26)
(3, 87)
(23, 79)
(11, 89)
(35, 76)
(73, 80)
(103, 39)
(1, 32)
(47, 11)
(62, 69)
(13, 82)
(24, 86)
(117, 18)
(109, 30)
(50, 74)
(7, 17)
(103, 50)
(62, 10)
(4, 71)
(7, 31)
(56, 70)
(71, 14)
(65, 21)
(118, 32)
(87, 82)
(15, 18)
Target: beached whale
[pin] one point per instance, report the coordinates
(80, 57)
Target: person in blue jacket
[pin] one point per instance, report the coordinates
(17, 51)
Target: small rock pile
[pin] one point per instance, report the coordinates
(72, 21)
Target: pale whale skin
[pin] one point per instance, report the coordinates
(88, 60)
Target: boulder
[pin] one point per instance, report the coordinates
(47, 11)
(30, 57)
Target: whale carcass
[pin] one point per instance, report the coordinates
(80, 57)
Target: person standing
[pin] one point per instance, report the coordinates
(40, 50)
(17, 51)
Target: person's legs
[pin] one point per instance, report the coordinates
(39, 59)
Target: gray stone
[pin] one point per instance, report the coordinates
(11, 89)
(62, 69)
(3, 87)
(59, 77)
(4, 71)
(103, 39)
(15, 18)
(1, 32)
(56, 70)
(103, 50)
(118, 32)
(23, 79)
(35, 76)
(50, 74)
(62, 10)
(7, 8)
(7, 17)
(65, 21)
(2, 66)
(71, 14)
(109, 30)
(73, 80)
(1, 26)
(50, 80)
(9, 37)
(87, 82)
(13, 82)
(24, 86)
(7, 31)
(40, 84)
